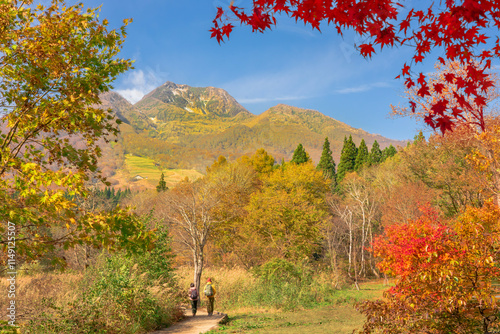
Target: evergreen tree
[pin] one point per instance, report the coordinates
(300, 155)
(375, 154)
(362, 156)
(347, 158)
(162, 185)
(326, 162)
(388, 152)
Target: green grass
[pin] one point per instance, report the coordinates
(338, 317)
(327, 319)
(146, 168)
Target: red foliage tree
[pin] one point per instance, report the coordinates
(459, 28)
(445, 275)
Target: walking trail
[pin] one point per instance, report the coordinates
(201, 323)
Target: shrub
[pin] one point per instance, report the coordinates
(113, 297)
(120, 294)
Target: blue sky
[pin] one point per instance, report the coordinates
(169, 41)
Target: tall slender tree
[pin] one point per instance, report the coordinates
(347, 158)
(362, 157)
(388, 152)
(162, 185)
(300, 155)
(326, 163)
(375, 154)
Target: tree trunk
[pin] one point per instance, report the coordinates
(198, 268)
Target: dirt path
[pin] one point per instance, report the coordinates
(201, 323)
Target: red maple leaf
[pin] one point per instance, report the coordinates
(440, 107)
(217, 33)
(227, 29)
(366, 50)
(406, 70)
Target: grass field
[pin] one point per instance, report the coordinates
(146, 168)
(339, 318)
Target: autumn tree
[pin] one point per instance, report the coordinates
(221, 160)
(347, 158)
(442, 164)
(55, 61)
(390, 180)
(300, 155)
(326, 163)
(285, 216)
(261, 161)
(362, 156)
(460, 29)
(419, 138)
(198, 210)
(446, 275)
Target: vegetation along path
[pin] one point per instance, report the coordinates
(201, 323)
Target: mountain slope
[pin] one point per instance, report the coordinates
(187, 127)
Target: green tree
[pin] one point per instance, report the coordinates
(326, 163)
(375, 154)
(55, 61)
(347, 158)
(300, 155)
(162, 185)
(388, 152)
(362, 157)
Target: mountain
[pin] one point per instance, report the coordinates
(171, 99)
(178, 126)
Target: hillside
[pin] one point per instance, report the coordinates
(183, 127)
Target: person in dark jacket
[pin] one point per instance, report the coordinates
(194, 296)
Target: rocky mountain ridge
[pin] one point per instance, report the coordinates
(180, 126)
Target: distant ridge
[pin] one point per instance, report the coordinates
(179, 126)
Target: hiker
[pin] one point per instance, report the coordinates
(193, 296)
(210, 293)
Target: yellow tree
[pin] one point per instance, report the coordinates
(285, 216)
(55, 61)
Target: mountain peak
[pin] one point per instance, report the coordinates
(198, 100)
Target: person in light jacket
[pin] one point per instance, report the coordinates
(209, 291)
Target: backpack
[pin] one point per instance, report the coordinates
(194, 294)
(209, 292)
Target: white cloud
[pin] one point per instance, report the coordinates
(362, 88)
(138, 83)
(131, 95)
